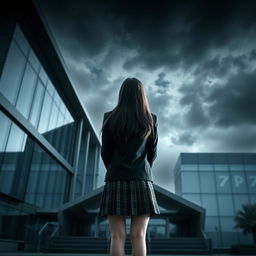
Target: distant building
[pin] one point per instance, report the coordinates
(221, 183)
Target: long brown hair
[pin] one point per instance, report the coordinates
(132, 114)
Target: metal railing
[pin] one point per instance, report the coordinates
(208, 240)
(47, 232)
(203, 234)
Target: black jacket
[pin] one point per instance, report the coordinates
(129, 160)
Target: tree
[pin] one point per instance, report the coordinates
(246, 219)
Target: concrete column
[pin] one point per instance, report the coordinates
(96, 167)
(90, 173)
(85, 161)
(65, 223)
(167, 227)
(76, 159)
(107, 231)
(97, 228)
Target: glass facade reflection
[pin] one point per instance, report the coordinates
(27, 172)
(221, 183)
(26, 85)
(17, 222)
(49, 152)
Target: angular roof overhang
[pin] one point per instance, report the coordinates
(176, 207)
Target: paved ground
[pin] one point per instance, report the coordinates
(79, 254)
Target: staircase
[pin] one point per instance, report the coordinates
(174, 245)
(180, 245)
(77, 244)
(82, 244)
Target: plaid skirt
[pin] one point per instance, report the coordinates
(128, 197)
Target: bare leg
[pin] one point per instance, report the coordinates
(138, 234)
(118, 234)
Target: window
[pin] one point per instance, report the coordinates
(221, 167)
(21, 40)
(226, 207)
(207, 181)
(212, 224)
(238, 181)
(37, 105)
(239, 200)
(195, 198)
(236, 167)
(12, 74)
(251, 181)
(223, 182)
(250, 167)
(228, 233)
(190, 182)
(227, 224)
(210, 203)
(252, 198)
(189, 167)
(205, 167)
(26, 93)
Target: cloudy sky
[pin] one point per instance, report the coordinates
(196, 60)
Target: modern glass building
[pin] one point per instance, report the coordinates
(49, 149)
(221, 183)
(50, 168)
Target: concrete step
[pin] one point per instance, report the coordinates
(177, 245)
(89, 254)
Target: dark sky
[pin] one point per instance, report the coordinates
(196, 60)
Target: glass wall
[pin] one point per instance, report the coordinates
(26, 85)
(27, 172)
(17, 223)
(20, 221)
(30, 176)
(221, 183)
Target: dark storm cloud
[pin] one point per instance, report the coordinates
(234, 103)
(192, 96)
(231, 139)
(223, 66)
(230, 103)
(83, 26)
(186, 32)
(160, 104)
(238, 141)
(98, 73)
(161, 82)
(89, 77)
(211, 42)
(252, 55)
(175, 34)
(196, 116)
(184, 139)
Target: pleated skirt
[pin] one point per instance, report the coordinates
(128, 197)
